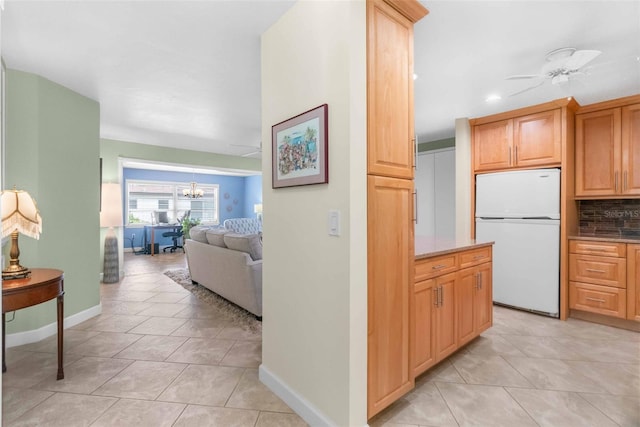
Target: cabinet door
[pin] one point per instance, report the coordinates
(633, 282)
(390, 92)
(465, 293)
(475, 304)
(444, 319)
(390, 275)
(483, 301)
(492, 145)
(538, 139)
(422, 336)
(631, 150)
(598, 154)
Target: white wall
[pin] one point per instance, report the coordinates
(314, 285)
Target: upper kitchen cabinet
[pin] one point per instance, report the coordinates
(608, 149)
(492, 144)
(390, 87)
(518, 140)
(631, 150)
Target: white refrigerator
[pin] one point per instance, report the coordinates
(520, 212)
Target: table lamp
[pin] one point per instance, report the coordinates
(111, 216)
(19, 215)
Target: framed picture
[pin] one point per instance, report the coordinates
(300, 149)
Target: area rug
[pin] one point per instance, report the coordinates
(239, 316)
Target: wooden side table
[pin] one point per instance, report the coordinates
(43, 285)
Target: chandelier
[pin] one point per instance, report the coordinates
(193, 192)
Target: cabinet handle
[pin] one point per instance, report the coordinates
(415, 206)
(435, 298)
(594, 299)
(414, 141)
(440, 291)
(509, 156)
(516, 154)
(593, 270)
(624, 184)
(478, 256)
(615, 182)
(438, 267)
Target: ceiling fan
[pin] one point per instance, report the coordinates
(561, 65)
(256, 150)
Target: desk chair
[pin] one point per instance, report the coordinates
(175, 235)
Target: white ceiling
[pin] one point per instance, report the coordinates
(187, 73)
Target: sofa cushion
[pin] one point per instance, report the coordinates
(198, 233)
(215, 236)
(249, 243)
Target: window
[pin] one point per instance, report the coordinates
(146, 197)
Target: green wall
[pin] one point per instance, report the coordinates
(52, 151)
(111, 150)
(436, 145)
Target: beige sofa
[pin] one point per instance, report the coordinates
(228, 264)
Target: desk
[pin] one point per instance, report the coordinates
(43, 285)
(153, 232)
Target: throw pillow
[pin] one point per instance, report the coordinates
(198, 233)
(215, 237)
(249, 243)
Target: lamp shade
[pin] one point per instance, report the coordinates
(20, 213)
(111, 208)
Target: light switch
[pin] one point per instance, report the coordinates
(334, 223)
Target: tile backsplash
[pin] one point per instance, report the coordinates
(620, 216)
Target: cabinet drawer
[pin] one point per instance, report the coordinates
(432, 267)
(598, 270)
(589, 247)
(474, 257)
(598, 299)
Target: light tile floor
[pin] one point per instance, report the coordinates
(529, 370)
(157, 357)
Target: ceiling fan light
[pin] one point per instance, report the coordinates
(559, 79)
(562, 53)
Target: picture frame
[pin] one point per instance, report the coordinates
(300, 148)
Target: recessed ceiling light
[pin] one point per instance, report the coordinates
(493, 97)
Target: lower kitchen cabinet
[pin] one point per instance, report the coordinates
(423, 349)
(475, 302)
(444, 316)
(633, 282)
(604, 278)
(452, 305)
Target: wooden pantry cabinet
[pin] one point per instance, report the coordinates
(390, 138)
(390, 209)
(608, 149)
(532, 140)
(452, 303)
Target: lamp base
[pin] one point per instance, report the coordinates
(111, 271)
(15, 271)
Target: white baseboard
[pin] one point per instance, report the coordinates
(299, 404)
(27, 337)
